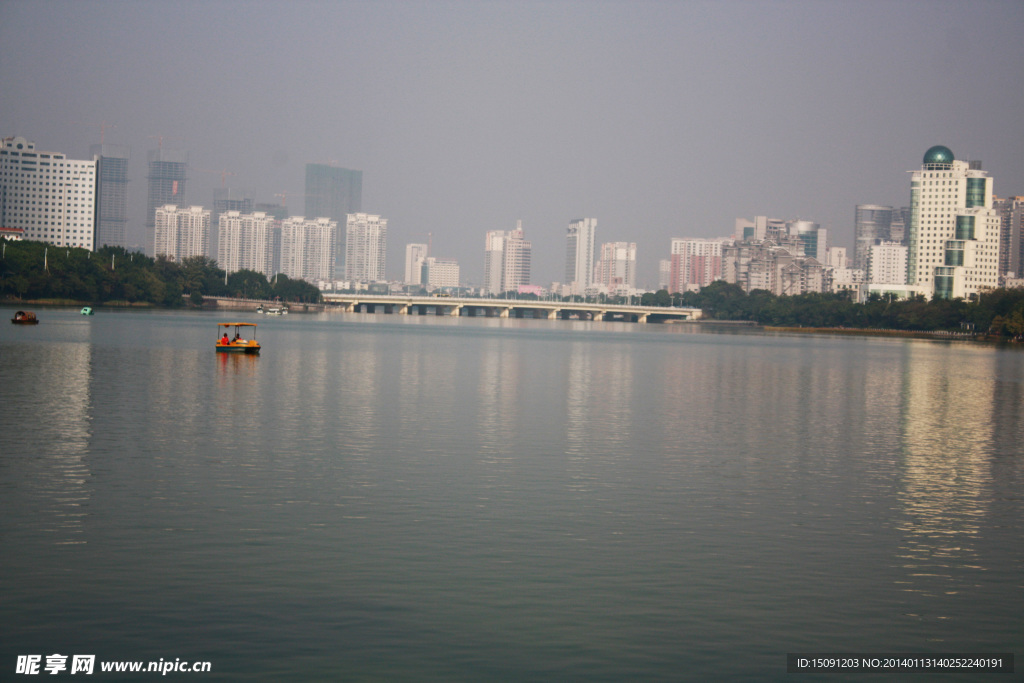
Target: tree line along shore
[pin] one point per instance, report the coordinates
(113, 276)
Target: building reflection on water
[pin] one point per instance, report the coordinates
(947, 429)
(57, 448)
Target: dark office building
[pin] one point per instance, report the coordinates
(112, 194)
(167, 178)
(333, 192)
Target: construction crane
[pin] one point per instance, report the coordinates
(160, 140)
(103, 128)
(223, 175)
(284, 196)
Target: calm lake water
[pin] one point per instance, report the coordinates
(386, 498)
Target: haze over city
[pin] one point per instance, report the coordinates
(660, 120)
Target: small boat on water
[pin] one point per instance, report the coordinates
(277, 310)
(238, 343)
(86, 311)
(25, 318)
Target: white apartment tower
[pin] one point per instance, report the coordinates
(579, 255)
(887, 263)
(51, 198)
(414, 255)
(307, 248)
(365, 247)
(507, 257)
(181, 232)
(246, 242)
(953, 237)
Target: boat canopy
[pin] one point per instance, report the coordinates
(236, 324)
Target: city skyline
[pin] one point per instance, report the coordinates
(661, 120)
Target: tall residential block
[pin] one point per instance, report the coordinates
(246, 241)
(616, 269)
(887, 263)
(181, 233)
(307, 248)
(414, 255)
(580, 240)
(166, 178)
(695, 263)
(1011, 236)
(872, 223)
(365, 247)
(507, 256)
(112, 194)
(227, 199)
(333, 192)
(953, 237)
(49, 197)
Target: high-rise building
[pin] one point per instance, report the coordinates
(579, 254)
(517, 257)
(494, 260)
(166, 179)
(616, 269)
(814, 237)
(414, 255)
(440, 272)
(898, 227)
(507, 258)
(226, 199)
(872, 223)
(695, 263)
(112, 194)
(307, 248)
(246, 242)
(333, 192)
(664, 273)
(365, 247)
(181, 233)
(953, 237)
(887, 264)
(49, 197)
(760, 228)
(1011, 236)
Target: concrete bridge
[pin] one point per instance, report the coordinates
(504, 308)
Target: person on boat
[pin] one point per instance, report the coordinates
(224, 340)
(238, 338)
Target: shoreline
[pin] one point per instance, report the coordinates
(941, 335)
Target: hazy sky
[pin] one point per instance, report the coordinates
(660, 119)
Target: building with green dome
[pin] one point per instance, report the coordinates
(953, 236)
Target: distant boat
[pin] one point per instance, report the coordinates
(277, 310)
(237, 344)
(86, 311)
(25, 318)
